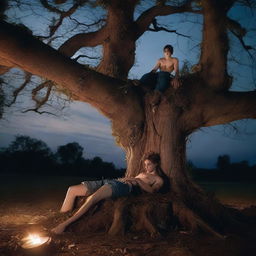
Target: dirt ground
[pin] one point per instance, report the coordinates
(31, 213)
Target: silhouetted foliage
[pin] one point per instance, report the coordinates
(223, 162)
(26, 155)
(26, 144)
(225, 171)
(69, 153)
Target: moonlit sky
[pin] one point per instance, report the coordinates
(81, 123)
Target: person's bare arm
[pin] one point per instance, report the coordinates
(145, 186)
(175, 81)
(150, 189)
(158, 184)
(176, 67)
(130, 180)
(157, 66)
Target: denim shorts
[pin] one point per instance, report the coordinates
(160, 81)
(119, 188)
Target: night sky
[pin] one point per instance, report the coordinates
(82, 123)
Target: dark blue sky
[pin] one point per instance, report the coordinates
(91, 130)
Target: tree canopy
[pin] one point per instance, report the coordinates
(70, 153)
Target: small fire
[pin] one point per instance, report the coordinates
(34, 240)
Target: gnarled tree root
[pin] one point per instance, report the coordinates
(153, 213)
(146, 212)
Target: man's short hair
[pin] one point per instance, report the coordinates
(169, 47)
(153, 157)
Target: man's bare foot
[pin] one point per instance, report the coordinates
(59, 229)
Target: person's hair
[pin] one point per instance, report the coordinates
(169, 47)
(155, 159)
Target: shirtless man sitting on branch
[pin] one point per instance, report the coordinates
(162, 79)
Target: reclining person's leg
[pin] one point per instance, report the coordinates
(72, 193)
(102, 193)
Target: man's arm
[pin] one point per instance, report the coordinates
(176, 67)
(150, 189)
(145, 186)
(175, 81)
(158, 184)
(157, 66)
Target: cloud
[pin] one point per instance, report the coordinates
(82, 124)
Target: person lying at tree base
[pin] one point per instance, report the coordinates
(151, 180)
(162, 79)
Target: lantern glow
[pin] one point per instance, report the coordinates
(34, 240)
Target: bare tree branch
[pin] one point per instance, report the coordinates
(19, 89)
(5, 66)
(63, 14)
(157, 28)
(50, 7)
(229, 107)
(145, 19)
(42, 101)
(39, 112)
(86, 56)
(88, 25)
(87, 85)
(91, 39)
(238, 31)
(4, 69)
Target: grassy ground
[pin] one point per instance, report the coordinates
(27, 202)
(239, 195)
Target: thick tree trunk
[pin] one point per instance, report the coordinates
(186, 201)
(119, 48)
(215, 45)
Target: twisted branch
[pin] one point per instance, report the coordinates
(157, 28)
(86, 56)
(19, 89)
(63, 14)
(238, 31)
(145, 19)
(42, 101)
(91, 39)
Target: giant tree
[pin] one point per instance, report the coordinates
(204, 99)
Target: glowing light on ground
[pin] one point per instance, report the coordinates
(34, 240)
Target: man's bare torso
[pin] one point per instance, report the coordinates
(148, 178)
(167, 65)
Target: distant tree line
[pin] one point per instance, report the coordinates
(225, 171)
(26, 155)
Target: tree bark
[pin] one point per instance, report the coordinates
(75, 43)
(215, 45)
(119, 48)
(163, 133)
